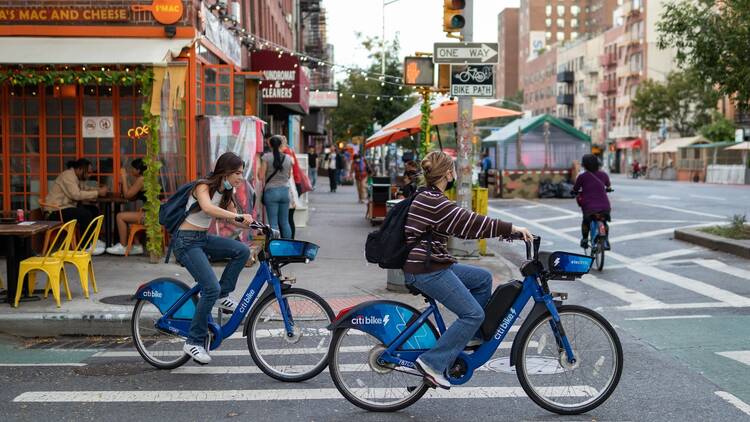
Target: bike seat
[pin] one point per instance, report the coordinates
(415, 291)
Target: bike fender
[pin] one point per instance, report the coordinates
(539, 309)
(164, 292)
(267, 292)
(385, 320)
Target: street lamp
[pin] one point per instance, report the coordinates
(382, 40)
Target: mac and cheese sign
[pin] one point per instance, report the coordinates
(63, 14)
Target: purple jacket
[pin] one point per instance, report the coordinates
(593, 187)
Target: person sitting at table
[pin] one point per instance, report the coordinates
(67, 195)
(133, 192)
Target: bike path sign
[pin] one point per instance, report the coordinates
(473, 81)
(465, 52)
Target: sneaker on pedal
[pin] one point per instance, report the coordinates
(473, 344)
(227, 304)
(198, 353)
(431, 375)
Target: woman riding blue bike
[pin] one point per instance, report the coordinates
(192, 245)
(591, 187)
(429, 268)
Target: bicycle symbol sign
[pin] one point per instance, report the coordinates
(473, 81)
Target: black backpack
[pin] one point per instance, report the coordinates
(173, 212)
(387, 246)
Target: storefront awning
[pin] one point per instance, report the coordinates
(61, 50)
(671, 145)
(629, 144)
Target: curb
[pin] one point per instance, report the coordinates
(60, 323)
(735, 247)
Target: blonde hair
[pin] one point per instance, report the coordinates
(435, 166)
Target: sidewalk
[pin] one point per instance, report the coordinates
(340, 274)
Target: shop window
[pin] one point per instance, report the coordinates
(238, 97)
(131, 116)
(199, 88)
(61, 130)
(24, 153)
(217, 86)
(97, 101)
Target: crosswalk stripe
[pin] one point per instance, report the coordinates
(653, 233)
(724, 268)
(158, 396)
(696, 286)
(560, 217)
(629, 296)
(244, 352)
(675, 306)
(734, 401)
(654, 318)
(742, 356)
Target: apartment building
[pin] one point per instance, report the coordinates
(506, 80)
(540, 83)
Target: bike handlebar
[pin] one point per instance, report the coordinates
(535, 244)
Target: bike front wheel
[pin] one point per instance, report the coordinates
(598, 251)
(554, 383)
(365, 381)
(161, 349)
(300, 356)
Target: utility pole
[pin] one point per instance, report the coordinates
(465, 125)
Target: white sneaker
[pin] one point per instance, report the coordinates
(198, 353)
(227, 304)
(117, 249)
(100, 248)
(431, 375)
(136, 250)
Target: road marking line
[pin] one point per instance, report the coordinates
(279, 332)
(623, 222)
(742, 356)
(675, 306)
(561, 217)
(560, 209)
(40, 364)
(667, 207)
(653, 233)
(629, 296)
(717, 198)
(157, 396)
(668, 317)
(734, 401)
(226, 370)
(724, 268)
(696, 286)
(664, 198)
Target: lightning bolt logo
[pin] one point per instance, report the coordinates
(386, 318)
(557, 261)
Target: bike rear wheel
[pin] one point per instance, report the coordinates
(304, 354)
(554, 383)
(597, 250)
(363, 381)
(161, 349)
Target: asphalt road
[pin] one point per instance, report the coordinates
(682, 313)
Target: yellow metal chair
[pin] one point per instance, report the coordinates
(49, 233)
(81, 256)
(53, 267)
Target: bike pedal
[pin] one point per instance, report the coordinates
(561, 295)
(289, 280)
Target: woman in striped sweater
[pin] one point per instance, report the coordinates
(463, 289)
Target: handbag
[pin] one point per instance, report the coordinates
(304, 184)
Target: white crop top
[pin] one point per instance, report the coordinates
(200, 218)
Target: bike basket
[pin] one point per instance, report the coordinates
(568, 266)
(288, 250)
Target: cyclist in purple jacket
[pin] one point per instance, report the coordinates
(591, 187)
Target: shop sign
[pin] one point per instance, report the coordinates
(220, 36)
(63, 14)
(284, 80)
(165, 12)
(98, 127)
(324, 99)
(138, 132)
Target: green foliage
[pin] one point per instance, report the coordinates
(737, 228)
(712, 39)
(35, 76)
(424, 125)
(720, 129)
(684, 100)
(355, 116)
(151, 175)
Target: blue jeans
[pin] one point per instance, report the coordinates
(277, 209)
(464, 290)
(313, 174)
(192, 248)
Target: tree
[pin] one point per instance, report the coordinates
(720, 130)
(711, 37)
(356, 114)
(683, 100)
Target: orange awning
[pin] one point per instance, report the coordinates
(387, 136)
(629, 144)
(447, 112)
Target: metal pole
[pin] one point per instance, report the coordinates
(382, 43)
(465, 125)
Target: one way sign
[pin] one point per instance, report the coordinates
(465, 53)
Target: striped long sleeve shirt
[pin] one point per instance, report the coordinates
(431, 210)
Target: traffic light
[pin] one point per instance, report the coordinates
(453, 19)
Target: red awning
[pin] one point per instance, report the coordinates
(629, 144)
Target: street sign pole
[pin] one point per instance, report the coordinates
(465, 134)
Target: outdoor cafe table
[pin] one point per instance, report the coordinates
(16, 241)
(111, 205)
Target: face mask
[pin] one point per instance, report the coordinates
(227, 185)
(450, 185)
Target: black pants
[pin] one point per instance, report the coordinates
(83, 213)
(291, 220)
(588, 218)
(332, 179)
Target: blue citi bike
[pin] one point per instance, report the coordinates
(598, 240)
(286, 329)
(567, 358)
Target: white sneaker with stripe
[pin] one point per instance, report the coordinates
(198, 353)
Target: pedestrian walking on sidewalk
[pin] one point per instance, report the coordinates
(463, 289)
(340, 166)
(330, 165)
(276, 168)
(359, 171)
(312, 166)
(192, 244)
